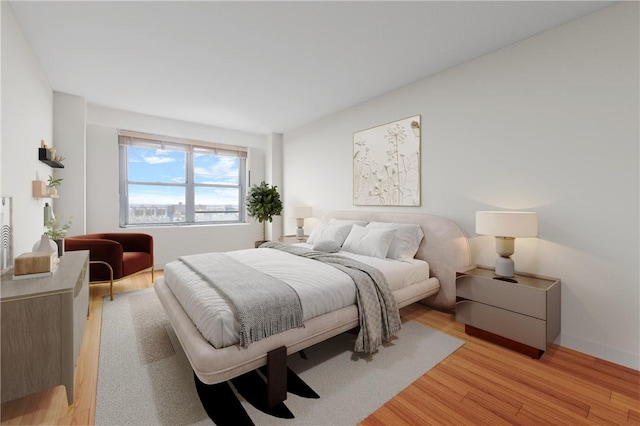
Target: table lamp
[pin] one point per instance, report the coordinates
(506, 226)
(300, 213)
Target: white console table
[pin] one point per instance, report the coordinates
(42, 324)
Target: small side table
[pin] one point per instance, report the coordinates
(522, 314)
(292, 239)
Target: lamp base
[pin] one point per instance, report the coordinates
(300, 232)
(505, 267)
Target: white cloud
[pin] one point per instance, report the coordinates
(225, 166)
(156, 159)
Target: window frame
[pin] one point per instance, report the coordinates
(190, 147)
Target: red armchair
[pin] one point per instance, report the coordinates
(114, 256)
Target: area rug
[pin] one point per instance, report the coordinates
(144, 376)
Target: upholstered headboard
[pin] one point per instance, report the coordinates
(444, 246)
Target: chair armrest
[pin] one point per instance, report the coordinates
(133, 241)
(105, 250)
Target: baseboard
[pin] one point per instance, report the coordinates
(597, 350)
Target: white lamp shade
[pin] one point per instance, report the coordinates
(507, 224)
(300, 212)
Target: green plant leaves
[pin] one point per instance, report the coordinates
(263, 202)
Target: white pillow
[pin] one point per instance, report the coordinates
(369, 242)
(336, 232)
(349, 222)
(405, 241)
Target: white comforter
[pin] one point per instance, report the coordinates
(321, 288)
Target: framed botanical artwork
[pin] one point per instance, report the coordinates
(386, 164)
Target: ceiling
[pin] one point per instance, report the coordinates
(266, 66)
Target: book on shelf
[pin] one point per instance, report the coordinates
(36, 275)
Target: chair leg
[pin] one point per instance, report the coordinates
(110, 275)
(111, 282)
(153, 276)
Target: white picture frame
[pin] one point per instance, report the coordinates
(386, 164)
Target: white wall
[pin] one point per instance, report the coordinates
(549, 124)
(273, 175)
(69, 131)
(27, 117)
(102, 182)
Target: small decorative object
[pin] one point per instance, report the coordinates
(48, 213)
(52, 183)
(45, 245)
(6, 235)
(300, 213)
(505, 226)
(386, 164)
(57, 233)
(35, 264)
(263, 202)
(39, 189)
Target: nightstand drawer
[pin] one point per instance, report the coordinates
(521, 328)
(510, 296)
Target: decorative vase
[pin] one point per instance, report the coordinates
(60, 248)
(53, 191)
(45, 244)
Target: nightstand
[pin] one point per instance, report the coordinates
(292, 239)
(523, 315)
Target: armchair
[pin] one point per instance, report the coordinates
(114, 256)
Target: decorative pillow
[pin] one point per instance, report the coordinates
(369, 242)
(406, 240)
(327, 246)
(335, 232)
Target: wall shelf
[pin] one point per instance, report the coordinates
(39, 190)
(44, 155)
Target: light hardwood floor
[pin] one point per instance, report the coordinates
(480, 383)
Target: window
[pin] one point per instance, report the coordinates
(173, 181)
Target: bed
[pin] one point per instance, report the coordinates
(444, 247)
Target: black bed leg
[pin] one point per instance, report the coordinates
(276, 376)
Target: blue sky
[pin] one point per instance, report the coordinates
(165, 166)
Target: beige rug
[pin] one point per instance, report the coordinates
(145, 378)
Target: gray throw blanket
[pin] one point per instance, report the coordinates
(378, 311)
(264, 304)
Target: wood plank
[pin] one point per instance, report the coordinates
(562, 381)
(619, 371)
(624, 401)
(611, 415)
(456, 387)
(432, 411)
(523, 386)
(533, 413)
(428, 382)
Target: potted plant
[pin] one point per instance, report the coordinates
(57, 233)
(52, 183)
(263, 202)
